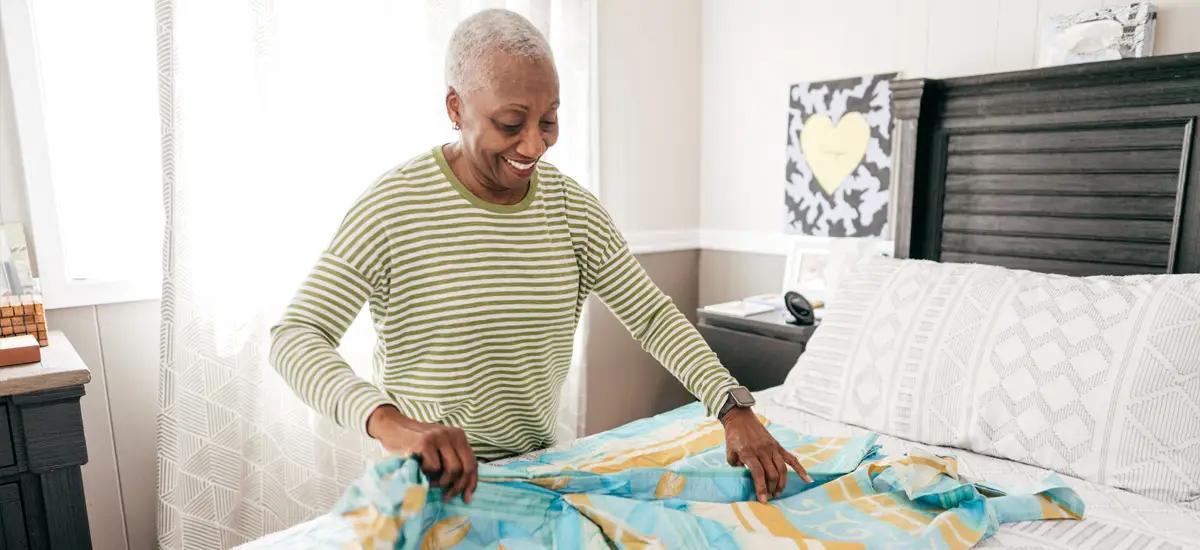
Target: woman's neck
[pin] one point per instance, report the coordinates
(479, 184)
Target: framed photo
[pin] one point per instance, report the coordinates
(806, 270)
(1103, 34)
(16, 272)
(814, 269)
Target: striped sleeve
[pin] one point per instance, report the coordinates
(650, 315)
(304, 342)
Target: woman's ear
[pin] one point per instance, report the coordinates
(453, 107)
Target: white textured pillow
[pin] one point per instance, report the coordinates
(1095, 377)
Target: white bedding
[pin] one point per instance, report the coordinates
(1114, 520)
(1092, 377)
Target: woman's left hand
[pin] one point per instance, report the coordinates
(748, 443)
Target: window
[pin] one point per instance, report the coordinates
(286, 112)
(85, 93)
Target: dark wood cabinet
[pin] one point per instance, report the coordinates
(12, 517)
(42, 447)
(759, 350)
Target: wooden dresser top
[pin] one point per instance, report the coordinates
(60, 367)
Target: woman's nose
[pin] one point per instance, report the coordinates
(532, 145)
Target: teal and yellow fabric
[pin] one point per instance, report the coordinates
(663, 482)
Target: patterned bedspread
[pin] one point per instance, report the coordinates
(662, 482)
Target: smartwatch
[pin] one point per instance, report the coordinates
(738, 397)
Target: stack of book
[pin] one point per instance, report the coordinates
(759, 304)
(752, 305)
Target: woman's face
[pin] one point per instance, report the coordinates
(509, 123)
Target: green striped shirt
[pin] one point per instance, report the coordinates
(474, 306)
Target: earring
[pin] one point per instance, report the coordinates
(456, 128)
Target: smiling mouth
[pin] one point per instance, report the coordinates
(520, 166)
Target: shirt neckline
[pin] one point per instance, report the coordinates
(474, 199)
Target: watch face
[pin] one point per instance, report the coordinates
(742, 396)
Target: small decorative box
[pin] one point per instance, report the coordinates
(19, 350)
(23, 314)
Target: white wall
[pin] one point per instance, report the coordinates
(752, 51)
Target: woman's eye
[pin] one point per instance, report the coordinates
(548, 125)
(510, 128)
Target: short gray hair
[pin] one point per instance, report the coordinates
(478, 37)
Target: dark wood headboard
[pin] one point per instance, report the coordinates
(1083, 170)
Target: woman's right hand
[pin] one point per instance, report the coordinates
(445, 455)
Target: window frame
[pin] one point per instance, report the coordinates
(58, 290)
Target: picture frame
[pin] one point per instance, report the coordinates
(16, 271)
(840, 151)
(814, 268)
(806, 269)
(1102, 34)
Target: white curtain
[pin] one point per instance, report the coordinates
(276, 115)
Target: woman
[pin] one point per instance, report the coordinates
(476, 259)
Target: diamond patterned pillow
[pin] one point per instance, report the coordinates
(1094, 377)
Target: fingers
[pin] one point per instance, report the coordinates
(795, 464)
(452, 470)
(771, 473)
(781, 471)
(452, 463)
(472, 482)
(759, 477)
(460, 487)
(431, 463)
(470, 467)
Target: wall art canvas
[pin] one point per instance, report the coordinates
(1098, 35)
(839, 157)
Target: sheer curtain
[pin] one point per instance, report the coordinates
(276, 115)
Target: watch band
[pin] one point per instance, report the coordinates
(733, 401)
(725, 408)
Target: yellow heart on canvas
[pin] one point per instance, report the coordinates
(834, 152)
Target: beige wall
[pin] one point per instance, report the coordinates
(649, 72)
(649, 65)
(624, 382)
(726, 276)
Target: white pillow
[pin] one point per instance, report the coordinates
(1095, 377)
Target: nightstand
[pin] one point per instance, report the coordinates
(42, 449)
(759, 350)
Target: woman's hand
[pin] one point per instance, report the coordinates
(443, 450)
(748, 443)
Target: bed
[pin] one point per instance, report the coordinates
(1116, 519)
(1081, 171)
